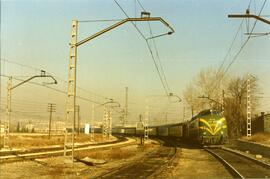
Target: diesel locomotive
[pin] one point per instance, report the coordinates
(208, 127)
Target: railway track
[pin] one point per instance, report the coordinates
(149, 165)
(240, 166)
(55, 151)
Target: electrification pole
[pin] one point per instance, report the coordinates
(51, 109)
(107, 118)
(71, 93)
(248, 108)
(8, 107)
(110, 122)
(105, 122)
(8, 112)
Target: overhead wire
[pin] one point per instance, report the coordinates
(55, 89)
(57, 77)
(248, 38)
(218, 81)
(143, 36)
(148, 46)
(156, 49)
(239, 29)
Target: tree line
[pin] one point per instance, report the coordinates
(212, 89)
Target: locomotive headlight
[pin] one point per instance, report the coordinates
(219, 122)
(221, 132)
(204, 133)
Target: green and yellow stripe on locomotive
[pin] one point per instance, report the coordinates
(208, 127)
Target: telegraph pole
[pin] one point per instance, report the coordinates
(51, 109)
(146, 120)
(248, 108)
(126, 107)
(92, 123)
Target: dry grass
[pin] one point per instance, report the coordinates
(111, 154)
(263, 138)
(116, 153)
(25, 141)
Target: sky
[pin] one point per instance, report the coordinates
(37, 33)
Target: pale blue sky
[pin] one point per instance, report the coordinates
(37, 33)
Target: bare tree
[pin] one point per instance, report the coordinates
(207, 83)
(210, 83)
(236, 104)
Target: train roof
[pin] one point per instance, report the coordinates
(205, 112)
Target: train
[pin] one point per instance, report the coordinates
(208, 127)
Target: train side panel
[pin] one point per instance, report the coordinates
(176, 131)
(162, 131)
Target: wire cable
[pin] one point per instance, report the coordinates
(130, 21)
(55, 89)
(218, 81)
(149, 48)
(57, 77)
(156, 66)
(156, 49)
(253, 27)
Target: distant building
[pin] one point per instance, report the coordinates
(29, 127)
(2, 129)
(267, 123)
(261, 123)
(59, 126)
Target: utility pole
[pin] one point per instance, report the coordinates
(51, 109)
(141, 123)
(248, 108)
(92, 123)
(126, 107)
(146, 120)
